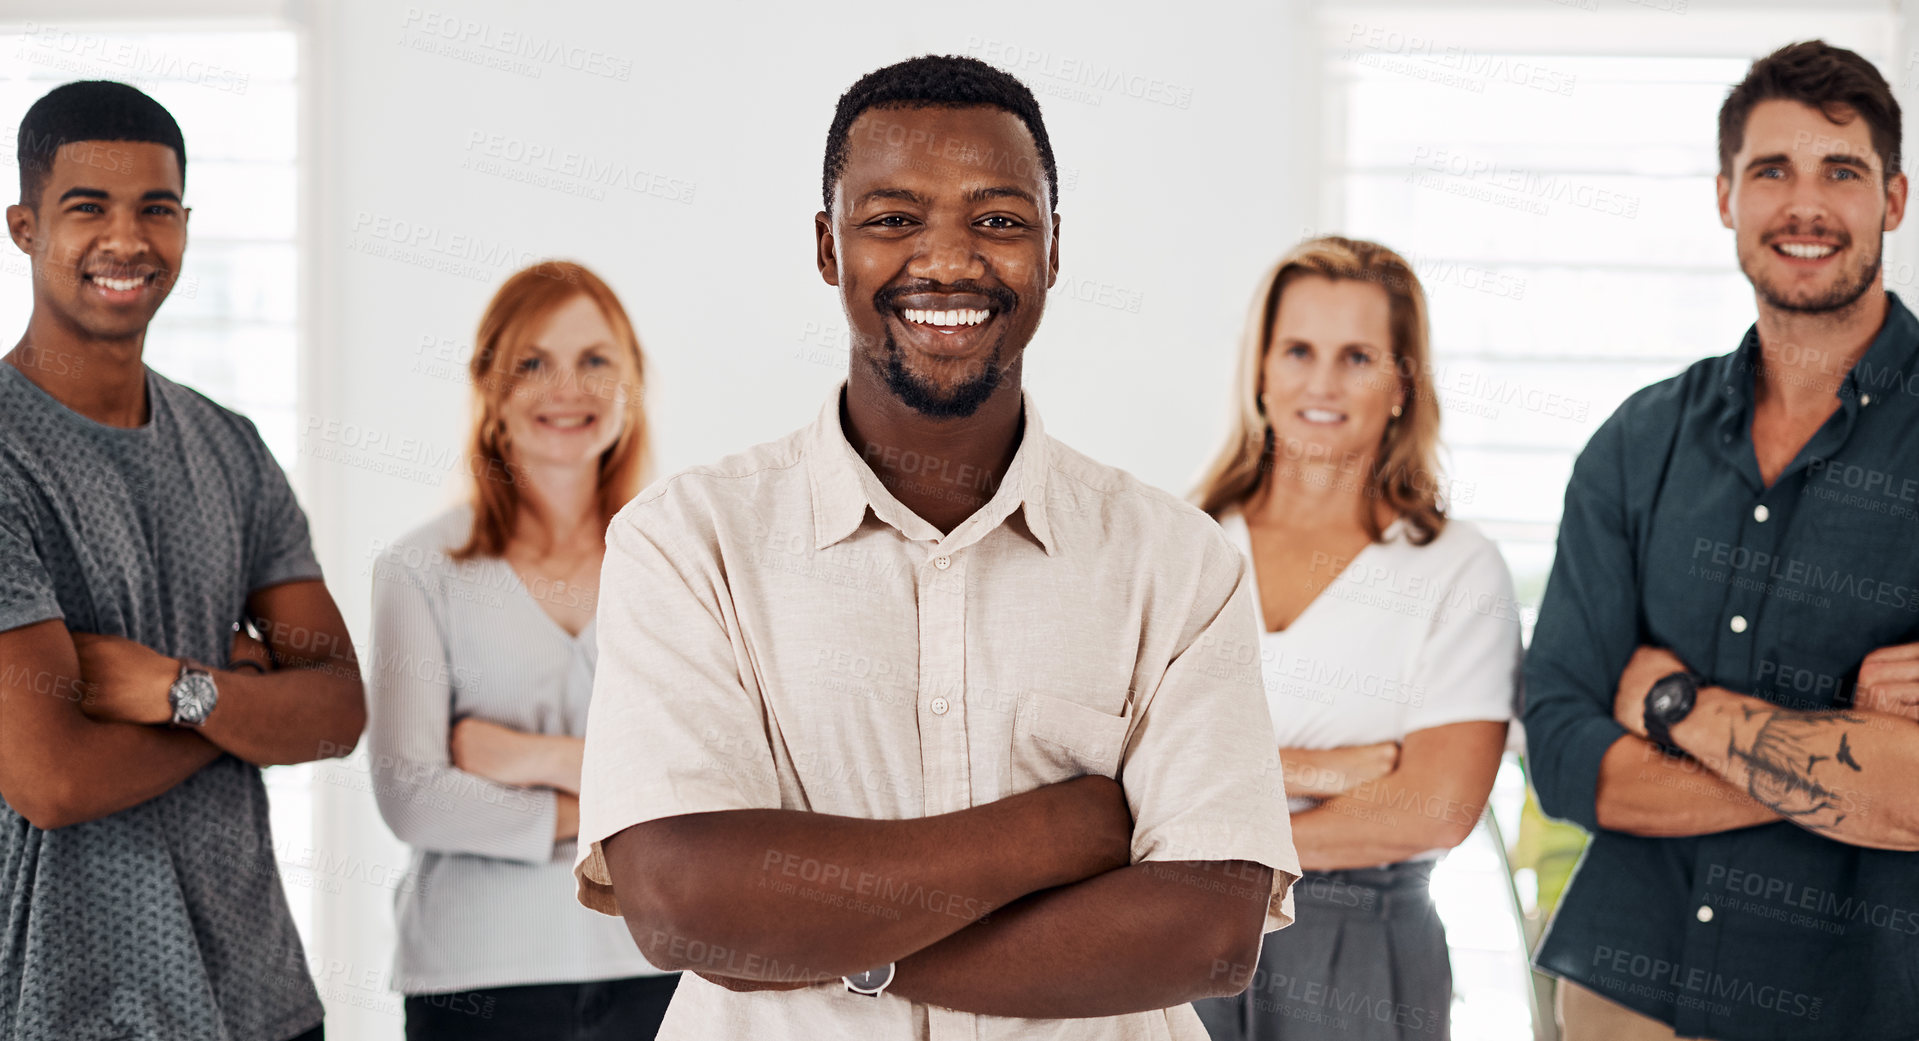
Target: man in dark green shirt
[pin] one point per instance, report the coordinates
(1737, 581)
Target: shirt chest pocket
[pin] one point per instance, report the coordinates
(1057, 739)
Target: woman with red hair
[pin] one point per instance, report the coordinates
(483, 666)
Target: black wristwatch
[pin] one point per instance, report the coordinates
(1670, 700)
(872, 982)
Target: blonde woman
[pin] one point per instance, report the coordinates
(484, 655)
(1390, 642)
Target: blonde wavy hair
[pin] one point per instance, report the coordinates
(1405, 473)
(520, 306)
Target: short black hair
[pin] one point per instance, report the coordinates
(935, 81)
(1830, 79)
(90, 110)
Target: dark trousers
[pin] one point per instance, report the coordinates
(316, 1034)
(1367, 961)
(604, 1010)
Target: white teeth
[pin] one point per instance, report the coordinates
(121, 284)
(965, 316)
(1805, 250)
(569, 423)
(1321, 415)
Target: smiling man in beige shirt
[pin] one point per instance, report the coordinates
(917, 695)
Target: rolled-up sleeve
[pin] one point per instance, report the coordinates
(1587, 630)
(427, 801)
(1201, 769)
(672, 728)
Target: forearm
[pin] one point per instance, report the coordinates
(1382, 822)
(779, 891)
(536, 760)
(560, 762)
(1149, 936)
(431, 805)
(1645, 792)
(1846, 775)
(59, 766)
(1324, 772)
(287, 716)
(82, 770)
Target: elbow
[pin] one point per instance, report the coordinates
(661, 917)
(45, 806)
(1451, 830)
(345, 737)
(349, 723)
(662, 935)
(1228, 961)
(1225, 961)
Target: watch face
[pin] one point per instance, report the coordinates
(1662, 700)
(871, 978)
(195, 696)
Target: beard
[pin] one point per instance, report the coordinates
(921, 394)
(1849, 285)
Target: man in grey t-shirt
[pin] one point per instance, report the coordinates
(139, 525)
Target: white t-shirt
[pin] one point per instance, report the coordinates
(1407, 637)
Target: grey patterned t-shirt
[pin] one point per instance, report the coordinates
(166, 921)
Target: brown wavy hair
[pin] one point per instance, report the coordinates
(521, 304)
(1405, 473)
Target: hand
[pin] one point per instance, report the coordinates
(1325, 773)
(124, 681)
(734, 983)
(1648, 666)
(1889, 681)
(495, 752)
(246, 648)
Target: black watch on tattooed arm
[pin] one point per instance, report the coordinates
(1668, 702)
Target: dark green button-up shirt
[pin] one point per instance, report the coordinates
(1670, 538)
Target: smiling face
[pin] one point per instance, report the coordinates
(107, 236)
(569, 389)
(1809, 200)
(943, 243)
(1328, 383)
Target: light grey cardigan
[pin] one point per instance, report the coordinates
(489, 898)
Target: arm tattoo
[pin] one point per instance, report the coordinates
(1798, 762)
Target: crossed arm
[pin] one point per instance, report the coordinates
(1021, 907)
(1427, 796)
(82, 716)
(1848, 775)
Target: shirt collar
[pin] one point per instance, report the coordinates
(1884, 368)
(844, 487)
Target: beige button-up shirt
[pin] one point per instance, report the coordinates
(778, 631)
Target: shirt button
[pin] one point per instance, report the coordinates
(1760, 513)
(942, 562)
(1865, 399)
(1704, 913)
(939, 704)
(1738, 623)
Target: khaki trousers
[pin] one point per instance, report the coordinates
(1585, 1016)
